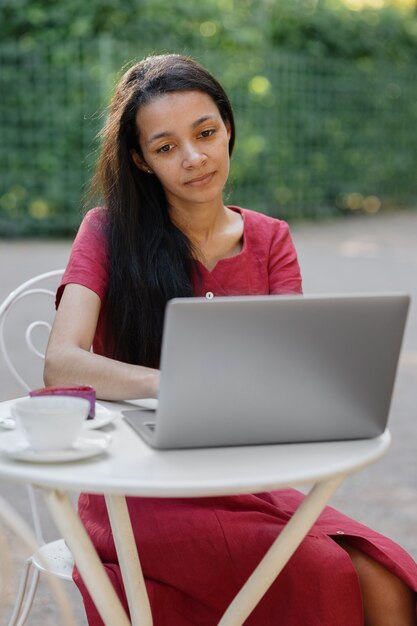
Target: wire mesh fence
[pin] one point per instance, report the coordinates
(314, 137)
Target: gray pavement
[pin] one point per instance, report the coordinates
(356, 254)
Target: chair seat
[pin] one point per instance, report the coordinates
(56, 558)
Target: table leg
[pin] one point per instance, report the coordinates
(86, 558)
(137, 597)
(280, 552)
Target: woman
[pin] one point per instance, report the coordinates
(163, 231)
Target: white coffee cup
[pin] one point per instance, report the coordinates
(50, 422)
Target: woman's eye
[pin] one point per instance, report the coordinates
(166, 148)
(208, 132)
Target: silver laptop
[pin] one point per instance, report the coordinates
(271, 369)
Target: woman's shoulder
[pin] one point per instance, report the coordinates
(96, 217)
(92, 233)
(88, 262)
(257, 218)
(270, 251)
(261, 228)
(93, 225)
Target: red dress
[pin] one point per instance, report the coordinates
(196, 553)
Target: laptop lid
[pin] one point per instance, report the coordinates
(271, 369)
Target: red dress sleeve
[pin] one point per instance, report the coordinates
(88, 262)
(283, 268)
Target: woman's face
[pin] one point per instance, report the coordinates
(185, 143)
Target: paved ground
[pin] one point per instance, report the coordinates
(362, 253)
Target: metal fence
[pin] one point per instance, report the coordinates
(313, 137)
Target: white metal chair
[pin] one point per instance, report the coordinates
(41, 287)
(54, 556)
(18, 526)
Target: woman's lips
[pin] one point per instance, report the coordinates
(200, 181)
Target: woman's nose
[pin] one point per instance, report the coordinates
(193, 156)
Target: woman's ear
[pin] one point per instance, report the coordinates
(229, 130)
(139, 162)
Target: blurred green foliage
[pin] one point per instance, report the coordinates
(325, 100)
(317, 27)
(151, 23)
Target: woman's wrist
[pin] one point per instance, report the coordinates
(151, 387)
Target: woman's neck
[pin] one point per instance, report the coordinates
(202, 223)
(214, 235)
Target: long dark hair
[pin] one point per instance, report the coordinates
(150, 259)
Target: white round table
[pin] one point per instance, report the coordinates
(131, 468)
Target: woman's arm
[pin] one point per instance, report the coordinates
(69, 361)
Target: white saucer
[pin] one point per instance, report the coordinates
(7, 423)
(103, 416)
(145, 403)
(88, 445)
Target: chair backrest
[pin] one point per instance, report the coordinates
(25, 322)
(24, 335)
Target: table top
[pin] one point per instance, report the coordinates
(131, 467)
